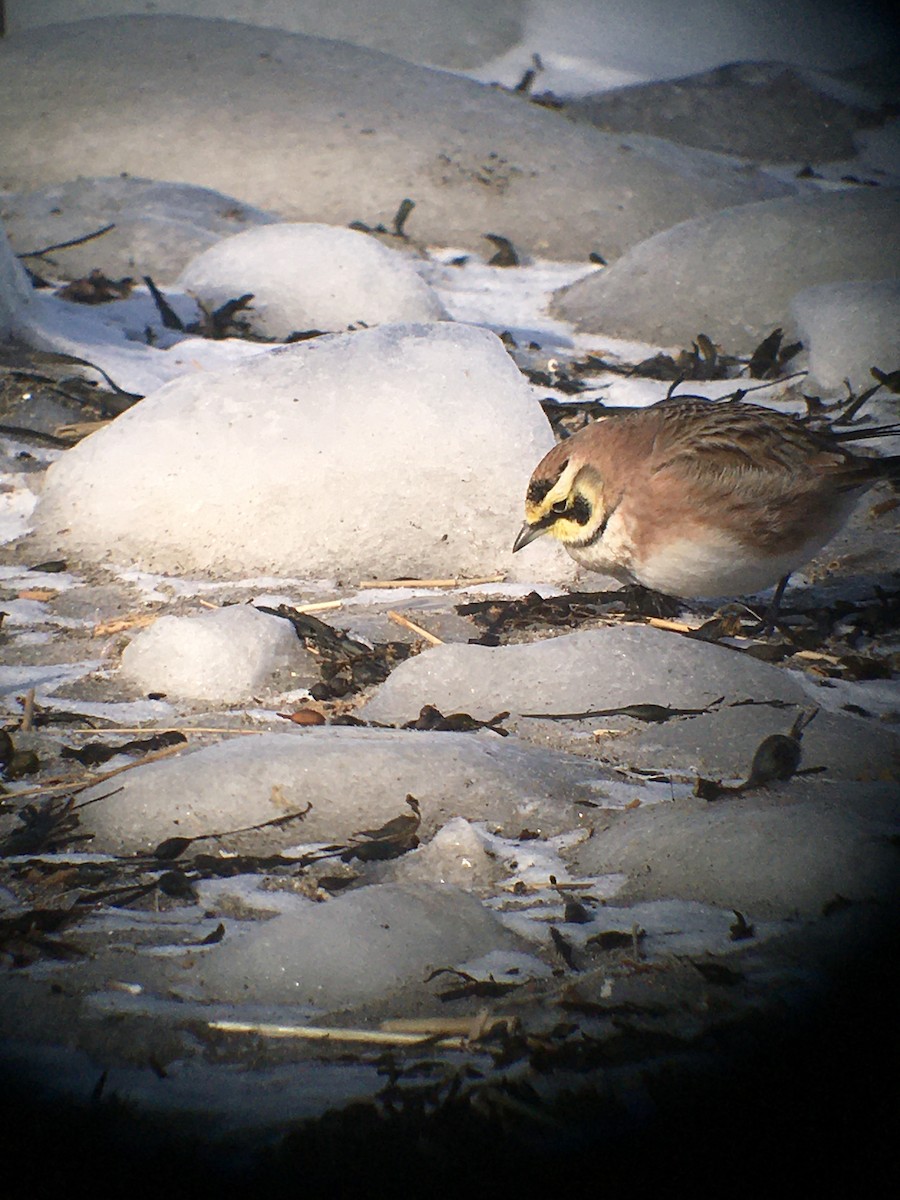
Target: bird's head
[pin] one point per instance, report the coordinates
(564, 499)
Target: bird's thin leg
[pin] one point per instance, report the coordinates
(770, 617)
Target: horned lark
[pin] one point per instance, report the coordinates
(694, 498)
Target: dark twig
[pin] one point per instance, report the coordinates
(79, 241)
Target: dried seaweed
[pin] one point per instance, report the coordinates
(777, 758)
(96, 288)
(76, 241)
(174, 847)
(388, 841)
(28, 936)
(397, 224)
(94, 754)
(654, 714)
(45, 828)
(469, 985)
(499, 617)
(345, 664)
(741, 930)
(506, 254)
(770, 357)
(432, 719)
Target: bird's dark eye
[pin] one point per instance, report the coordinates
(559, 506)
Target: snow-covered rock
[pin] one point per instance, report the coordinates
(769, 112)
(16, 293)
(729, 702)
(848, 328)
(355, 779)
(157, 227)
(769, 859)
(576, 672)
(398, 451)
(305, 277)
(312, 956)
(588, 45)
(447, 33)
(732, 275)
(325, 131)
(583, 44)
(221, 656)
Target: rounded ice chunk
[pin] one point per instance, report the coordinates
(308, 276)
(222, 656)
(398, 451)
(849, 328)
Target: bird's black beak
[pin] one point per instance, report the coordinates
(528, 533)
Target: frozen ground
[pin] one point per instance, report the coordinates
(335, 840)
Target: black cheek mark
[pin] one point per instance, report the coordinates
(581, 511)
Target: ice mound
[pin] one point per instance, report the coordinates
(732, 275)
(455, 855)
(305, 277)
(403, 451)
(763, 858)
(326, 131)
(355, 779)
(16, 295)
(849, 328)
(157, 227)
(595, 668)
(725, 703)
(223, 656)
(315, 955)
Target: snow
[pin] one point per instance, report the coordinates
(290, 463)
(305, 277)
(222, 656)
(455, 855)
(732, 275)
(849, 327)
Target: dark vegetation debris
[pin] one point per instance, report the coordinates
(505, 255)
(398, 224)
(93, 754)
(346, 665)
(777, 758)
(96, 288)
(469, 985)
(431, 718)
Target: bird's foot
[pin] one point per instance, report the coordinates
(641, 601)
